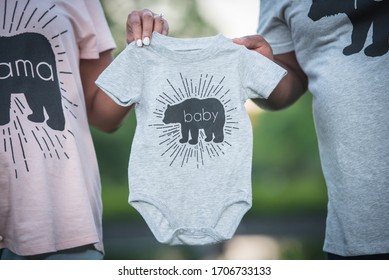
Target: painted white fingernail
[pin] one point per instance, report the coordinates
(139, 42)
(146, 41)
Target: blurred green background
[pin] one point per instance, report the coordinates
(289, 195)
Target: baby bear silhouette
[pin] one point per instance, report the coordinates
(28, 66)
(362, 14)
(195, 114)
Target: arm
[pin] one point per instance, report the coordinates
(103, 112)
(291, 87)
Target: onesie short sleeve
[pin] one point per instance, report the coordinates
(273, 26)
(122, 79)
(259, 75)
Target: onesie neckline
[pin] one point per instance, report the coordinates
(186, 49)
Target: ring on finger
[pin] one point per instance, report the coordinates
(158, 16)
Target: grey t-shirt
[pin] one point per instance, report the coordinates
(348, 71)
(190, 162)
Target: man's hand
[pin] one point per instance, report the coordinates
(141, 24)
(291, 87)
(256, 43)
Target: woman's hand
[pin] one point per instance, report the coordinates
(141, 24)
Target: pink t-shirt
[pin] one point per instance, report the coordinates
(49, 180)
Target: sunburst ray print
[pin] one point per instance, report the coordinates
(34, 100)
(195, 120)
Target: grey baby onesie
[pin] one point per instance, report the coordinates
(190, 164)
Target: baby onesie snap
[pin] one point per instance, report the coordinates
(190, 163)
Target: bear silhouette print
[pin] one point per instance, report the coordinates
(196, 114)
(363, 14)
(28, 66)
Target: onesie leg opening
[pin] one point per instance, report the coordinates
(158, 218)
(230, 217)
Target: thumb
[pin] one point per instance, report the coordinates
(245, 41)
(256, 43)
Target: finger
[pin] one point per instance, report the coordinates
(256, 43)
(267, 51)
(250, 42)
(158, 23)
(165, 28)
(134, 27)
(238, 41)
(147, 26)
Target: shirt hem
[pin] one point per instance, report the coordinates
(42, 249)
(367, 249)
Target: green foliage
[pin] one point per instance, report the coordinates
(286, 168)
(193, 24)
(113, 151)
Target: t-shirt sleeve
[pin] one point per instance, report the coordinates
(104, 37)
(259, 75)
(273, 27)
(91, 29)
(122, 79)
